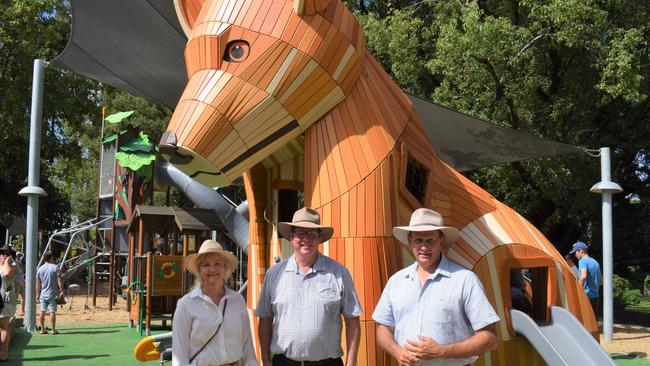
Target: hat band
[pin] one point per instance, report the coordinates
(420, 225)
(305, 222)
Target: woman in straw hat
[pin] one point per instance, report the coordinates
(211, 325)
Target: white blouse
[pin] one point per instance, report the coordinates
(196, 319)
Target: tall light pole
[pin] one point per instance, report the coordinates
(606, 187)
(33, 192)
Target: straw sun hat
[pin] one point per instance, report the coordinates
(305, 218)
(210, 246)
(424, 219)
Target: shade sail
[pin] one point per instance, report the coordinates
(137, 46)
(468, 143)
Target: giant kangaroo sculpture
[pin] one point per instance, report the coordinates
(285, 93)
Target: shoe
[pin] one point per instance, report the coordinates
(43, 331)
(55, 332)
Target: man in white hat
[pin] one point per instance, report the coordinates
(306, 294)
(433, 312)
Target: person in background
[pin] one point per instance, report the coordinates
(433, 312)
(8, 273)
(155, 246)
(211, 325)
(20, 280)
(572, 264)
(49, 287)
(305, 299)
(590, 277)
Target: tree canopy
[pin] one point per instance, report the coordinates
(567, 70)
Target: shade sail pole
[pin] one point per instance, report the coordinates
(33, 192)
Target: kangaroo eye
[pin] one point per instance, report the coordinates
(236, 51)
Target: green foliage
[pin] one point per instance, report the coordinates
(151, 119)
(573, 71)
(39, 29)
(625, 293)
(632, 297)
(621, 287)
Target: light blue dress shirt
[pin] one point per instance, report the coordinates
(449, 308)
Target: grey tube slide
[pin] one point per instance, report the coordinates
(233, 218)
(563, 342)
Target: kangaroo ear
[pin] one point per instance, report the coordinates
(187, 12)
(309, 7)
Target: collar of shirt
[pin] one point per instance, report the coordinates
(442, 269)
(292, 266)
(198, 292)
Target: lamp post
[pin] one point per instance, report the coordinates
(33, 192)
(606, 187)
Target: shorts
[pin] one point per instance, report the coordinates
(48, 305)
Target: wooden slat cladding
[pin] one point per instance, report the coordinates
(513, 347)
(350, 141)
(257, 183)
(309, 108)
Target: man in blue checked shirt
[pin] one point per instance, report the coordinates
(433, 312)
(306, 294)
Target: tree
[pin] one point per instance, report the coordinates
(568, 70)
(28, 30)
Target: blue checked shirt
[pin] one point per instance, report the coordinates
(449, 308)
(307, 308)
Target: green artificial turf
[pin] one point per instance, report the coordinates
(111, 344)
(77, 344)
(642, 307)
(623, 360)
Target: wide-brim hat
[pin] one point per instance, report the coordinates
(424, 219)
(305, 218)
(210, 246)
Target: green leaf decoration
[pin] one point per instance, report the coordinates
(118, 117)
(140, 143)
(146, 172)
(110, 139)
(134, 161)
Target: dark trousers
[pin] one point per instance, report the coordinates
(281, 360)
(595, 305)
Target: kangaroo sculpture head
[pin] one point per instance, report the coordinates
(260, 73)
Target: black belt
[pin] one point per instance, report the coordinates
(282, 359)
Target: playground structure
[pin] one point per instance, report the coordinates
(306, 111)
(158, 279)
(289, 97)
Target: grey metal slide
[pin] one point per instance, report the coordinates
(563, 342)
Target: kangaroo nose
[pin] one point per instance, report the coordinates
(169, 147)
